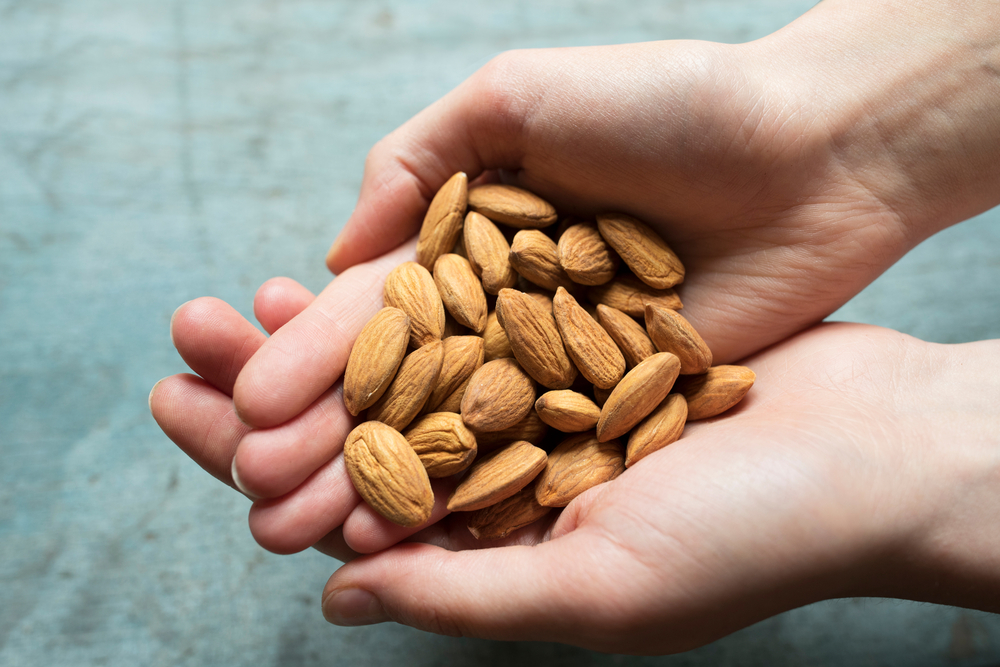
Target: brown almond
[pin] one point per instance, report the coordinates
(577, 464)
(638, 394)
(388, 474)
(642, 249)
(414, 381)
(536, 257)
(588, 344)
(671, 332)
(443, 442)
(585, 255)
(375, 356)
(495, 343)
(500, 520)
(463, 355)
(497, 476)
(461, 292)
(630, 295)
(489, 253)
(534, 339)
(443, 221)
(663, 426)
(411, 288)
(567, 411)
(628, 334)
(453, 402)
(716, 391)
(531, 428)
(499, 395)
(512, 206)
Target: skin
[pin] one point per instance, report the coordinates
(788, 173)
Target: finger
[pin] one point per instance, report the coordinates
(278, 301)
(333, 545)
(366, 531)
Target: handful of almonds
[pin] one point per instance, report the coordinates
(450, 377)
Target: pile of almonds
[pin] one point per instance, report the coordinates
(447, 373)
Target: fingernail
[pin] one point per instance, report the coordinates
(172, 317)
(151, 392)
(353, 606)
(238, 483)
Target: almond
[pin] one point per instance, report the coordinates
(453, 402)
(601, 396)
(512, 206)
(531, 428)
(500, 520)
(534, 339)
(567, 411)
(495, 343)
(463, 355)
(663, 426)
(585, 255)
(630, 295)
(443, 222)
(639, 392)
(489, 253)
(628, 334)
(443, 442)
(375, 356)
(415, 379)
(716, 391)
(411, 288)
(388, 474)
(536, 257)
(642, 249)
(499, 395)
(461, 292)
(577, 464)
(497, 476)
(588, 344)
(671, 332)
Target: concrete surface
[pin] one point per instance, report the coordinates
(152, 152)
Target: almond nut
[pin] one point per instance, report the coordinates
(536, 257)
(642, 249)
(585, 255)
(577, 464)
(462, 356)
(628, 334)
(500, 520)
(497, 476)
(512, 206)
(716, 391)
(461, 292)
(375, 356)
(630, 295)
(489, 253)
(588, 344)
(414, 381)
(499, 395)
(638, 394)
(671, 332)
(663, 426)
(567, 411)
(443, 222)
(495, 343)
(531, 428)
(411, 288)
(443, 442)
(534, 339)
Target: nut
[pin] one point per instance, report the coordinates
(498, 476)
(411, 288)
(499, 395)
(443, 443)
(512, 206)
(642, 249)
(443, 222)
(534, 339)
(375, 356)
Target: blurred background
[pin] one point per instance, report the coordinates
(154, 152)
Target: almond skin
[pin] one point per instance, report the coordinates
(499, 395)
(585, 255)
(443, 222)
(463, 355)
(663, 426)
(489, 253)
(377, 353)
(628, 334)
(588, 344)
(638, 394)
(671, 332)
(500, 520)
(577, 464)
(531, 428)
(567, 411)
(512, 206)
(411, 288)
(497, 476)
(495, 343)
(534, 339)
(443, 442)
(716, 391)
(416, 377)
(630, 295)
(536, 257)
(461, 292)
(642, 249)
(388, 474)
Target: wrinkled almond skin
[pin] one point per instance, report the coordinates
(578, 463)
(374, 359)
(642, 249)
(500, 520)
(495, 343)
(534, 339)
(463, 355)
(531, 428)
(663, 426)
(443, 222)
(499, 395)
(443, 442)
(411, 288)
(497, 476)
(488, 253)
(536, 257)
(585, 255)
(461, 292)
(567, 411)
(630, 295)
(414, 381)
(628, 334)
(512, 206)
(638, 394)
(589, 346)
(671, 332)
(388, 474)
(716, 391)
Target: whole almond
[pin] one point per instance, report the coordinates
(443, 221)
(489, 253)
(716, 391)
(497, 476)
(630, 295)
(671, 332)
(500, 520)
(534, 339)
(567, 411)
(536, 257)
(375, 356)
(628, 334)
(499, 395)
(443, 442)
(531, 428)
(638, 394)
(461, 292)
(388, 474)
(588, 344)
(463, 355)
(642, 249)
(512, 206)
(663, 426)
(585, 255)
(495, 343)
(411, 288)
(578, 463)
(414, 381)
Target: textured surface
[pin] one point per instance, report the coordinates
(152, 152)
